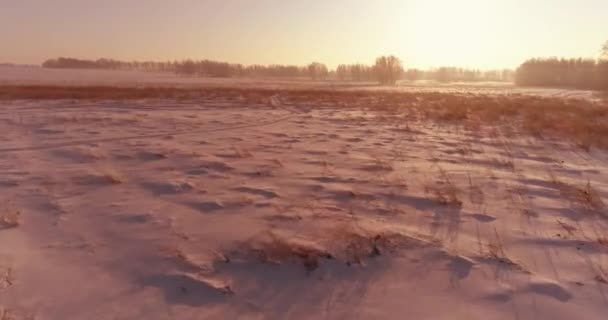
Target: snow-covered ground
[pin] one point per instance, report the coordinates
(225, 208)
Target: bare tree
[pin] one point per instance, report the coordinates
(412, 74)
(342, 72)
(318, 71)
(604, 53)
(388, 69)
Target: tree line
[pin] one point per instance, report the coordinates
(194, 68)
(579, 73)
(455, 74)
(387, 70)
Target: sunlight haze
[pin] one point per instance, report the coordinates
(429, 33)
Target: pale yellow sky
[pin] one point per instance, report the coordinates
(423, 33)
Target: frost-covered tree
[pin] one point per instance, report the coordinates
(388, 69)
(318, 71)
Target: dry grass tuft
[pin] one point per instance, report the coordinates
(7, 278)
(278, 162)
(590, 197)
(200, 272)
(586, 196)
(444, 191)
(241, 153)
(351, 246)
(105, 177)
(567, 227)
(383, 164)
(445, 195)
(10, 220)
(113, 177)
(186, 260)
(529, 213)
(278, 249)
(496, 252)
(360, 245)
(506, 164)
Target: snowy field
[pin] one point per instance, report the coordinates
(275, 205)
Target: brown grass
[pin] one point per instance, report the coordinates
(567, 227)
(496, 252)
(15, 92)
(444, 191)
(112, 177)
(590, 197)
(360, 245)
(585, 196)
(585, 123)
(349, 245)
(277, 249)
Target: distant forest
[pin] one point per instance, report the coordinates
(579, 73)
(550, 72)
(386, 70)
(566, 73)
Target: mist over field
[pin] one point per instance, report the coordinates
(303, 160)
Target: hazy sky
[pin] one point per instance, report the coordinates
(424, 33)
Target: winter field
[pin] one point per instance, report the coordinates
(127, 195)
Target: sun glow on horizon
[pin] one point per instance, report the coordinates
(481, 34)
(458, 33)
